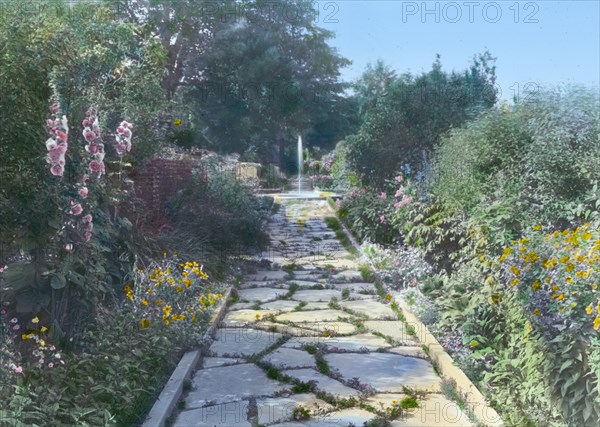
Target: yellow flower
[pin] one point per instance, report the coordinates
(257, 316)
(565, 259)
(145, 302)
(536, 285)
(473, 343)
(42, 343)
(597, 323)
(514, 282)
(570, 268)
(594, 286)
(179, 289)
(35, 320)
(589, 309)
(394, 402)
(25, 337)
(561, 297)
(569, 280)
(537, 227)
(506, 251)
(516, 271)
(158, 302)
(177, 122)
(43, 329)
(167, 310)
(388, 297)
(145, 323)
(547, 280)
(555, 288)
(536, 311)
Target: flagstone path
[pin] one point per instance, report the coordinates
(308, 341)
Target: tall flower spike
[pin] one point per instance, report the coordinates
(56, 144)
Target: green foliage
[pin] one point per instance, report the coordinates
(224, 212)
(413, 113)
(106, 384)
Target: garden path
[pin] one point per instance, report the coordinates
(310, 337)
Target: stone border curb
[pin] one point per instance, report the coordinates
(173, 389)
(472, 397)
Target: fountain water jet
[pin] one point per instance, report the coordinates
(300, 163)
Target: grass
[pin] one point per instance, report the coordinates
(300, 306)
(366, 273)
(322, 365)
(310, 349)
(302, 387)
(293, 287)
(334, 304)
(233, 298)
(346, 293)
(450, 391)
(334, 224)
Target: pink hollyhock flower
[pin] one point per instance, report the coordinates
(54, 107)
(87, 218)
(76, 209)
(87, 236)
(51, 365)
(85, 178)
(16, 369)
(91, 148)
(69, 247)
(51, 144)
(399, 178)
(3, 312)
(62, 147)
(382, 219)
(89, 135)
(83, 192)
(16, 327)
(61, 135)
(400, 192)
(56, 170)
(363, 190)
(50, 123)
(383, 196)
(94, 166)
(121, 148)
(55, 156)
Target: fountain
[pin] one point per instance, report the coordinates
(304, 189)
(300, 163)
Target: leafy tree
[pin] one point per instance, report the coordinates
(405, 119)
(266, 78)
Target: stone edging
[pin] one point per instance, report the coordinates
(173, 389)
(472, 397)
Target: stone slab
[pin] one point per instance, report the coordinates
(261, 294)
(386, 372)
(213, 362)
(232, 414)
(323, 382)
(242, 341)
(214, 386)
(311, 295)
(278, 409)
(373, 309)
(285, 357)
(327, 315)
(343, 418)
(394, 329)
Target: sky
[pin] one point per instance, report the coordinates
(536, 43)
